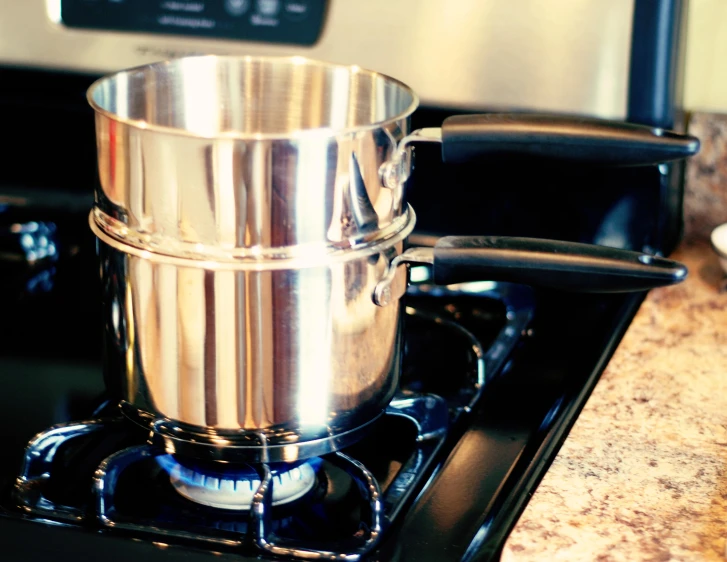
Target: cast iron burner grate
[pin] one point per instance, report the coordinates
(123, 484)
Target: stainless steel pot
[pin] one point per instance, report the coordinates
(252, 222)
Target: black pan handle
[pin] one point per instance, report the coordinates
(567, 139)
(561, 265)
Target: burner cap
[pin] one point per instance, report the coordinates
(233, 487)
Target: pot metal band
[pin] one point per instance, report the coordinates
(291, 258)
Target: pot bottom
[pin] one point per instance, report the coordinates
(241, 446)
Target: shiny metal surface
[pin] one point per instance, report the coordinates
(29, 491)
(243, 227)
(396, 170)
(383, 293)
(370, 528)
(245, 446)
(267, 358)
(240, 157)
(558, 55)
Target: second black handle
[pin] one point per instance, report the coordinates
(556, 264)
(579, 140)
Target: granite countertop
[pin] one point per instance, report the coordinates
(643, 473)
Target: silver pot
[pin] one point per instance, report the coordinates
(252, 223)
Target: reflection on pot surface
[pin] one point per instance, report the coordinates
(304, 350)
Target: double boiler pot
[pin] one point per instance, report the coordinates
(252, 221)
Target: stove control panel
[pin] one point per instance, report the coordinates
(297, 22)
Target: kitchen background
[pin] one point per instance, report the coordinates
(651, 486)
(705, 78)
(705, 96)
(656, 497)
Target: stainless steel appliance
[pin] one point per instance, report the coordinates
(522, 53)
(493, 374)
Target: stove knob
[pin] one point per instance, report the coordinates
(268, 7)
(237, 7)
(28, 253)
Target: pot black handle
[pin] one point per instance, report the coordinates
(568, 139)
(561, 265)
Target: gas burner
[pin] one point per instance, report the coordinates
(232, 487)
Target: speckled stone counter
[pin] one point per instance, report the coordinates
(643, 473)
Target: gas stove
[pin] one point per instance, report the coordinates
(493, 376)
(484, 402)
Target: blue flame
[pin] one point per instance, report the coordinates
(205, 474)
(167, 462)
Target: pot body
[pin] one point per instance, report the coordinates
(243, 225)
(283, 356)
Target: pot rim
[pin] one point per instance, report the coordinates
(314, 257)
(321, 132)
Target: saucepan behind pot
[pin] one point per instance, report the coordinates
(252, 222)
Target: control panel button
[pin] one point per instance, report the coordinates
(296, 10)
(288, 22)
(237, 7)
(268, 8)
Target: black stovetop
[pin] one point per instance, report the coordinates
(544, 351)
